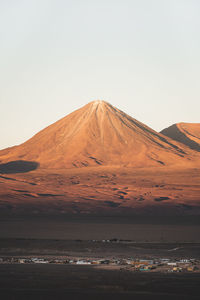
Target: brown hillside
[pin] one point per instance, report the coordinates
(98, 134)
(186, 133)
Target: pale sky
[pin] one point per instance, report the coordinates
(142, 56)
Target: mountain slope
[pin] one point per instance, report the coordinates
(186, 133)
(98, 134)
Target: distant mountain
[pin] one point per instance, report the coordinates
(185, 133)
(100, 161)
(99, 134)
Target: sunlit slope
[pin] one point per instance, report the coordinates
(99, 134)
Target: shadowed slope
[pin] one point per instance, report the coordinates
(186, 133)
(98, 134)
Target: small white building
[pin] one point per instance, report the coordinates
(83, 262)
(172, 264)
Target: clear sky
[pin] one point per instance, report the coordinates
(142, 56)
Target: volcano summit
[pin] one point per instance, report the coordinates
(99, 160)
(98, 134)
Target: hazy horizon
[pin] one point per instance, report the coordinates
(56, 56)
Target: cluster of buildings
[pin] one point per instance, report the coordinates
(160, 264)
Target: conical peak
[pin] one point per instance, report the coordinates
(99, 106)
(99, 103)
(97, 133)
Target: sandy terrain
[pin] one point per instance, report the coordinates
(100, 174)
(99, 160)
(97, 249)
(102, 190)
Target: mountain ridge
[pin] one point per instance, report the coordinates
(98, 134)
(186, 133)
(99, 161)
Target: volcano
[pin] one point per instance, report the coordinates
(94, 135)
(185, 133)
(99, 160)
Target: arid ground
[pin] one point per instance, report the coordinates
(99, 174)
(102, 190)
(82, 282)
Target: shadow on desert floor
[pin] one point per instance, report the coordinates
(18, 166)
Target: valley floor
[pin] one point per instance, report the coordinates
(102, 191)
(95, 237)
(80, 282)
